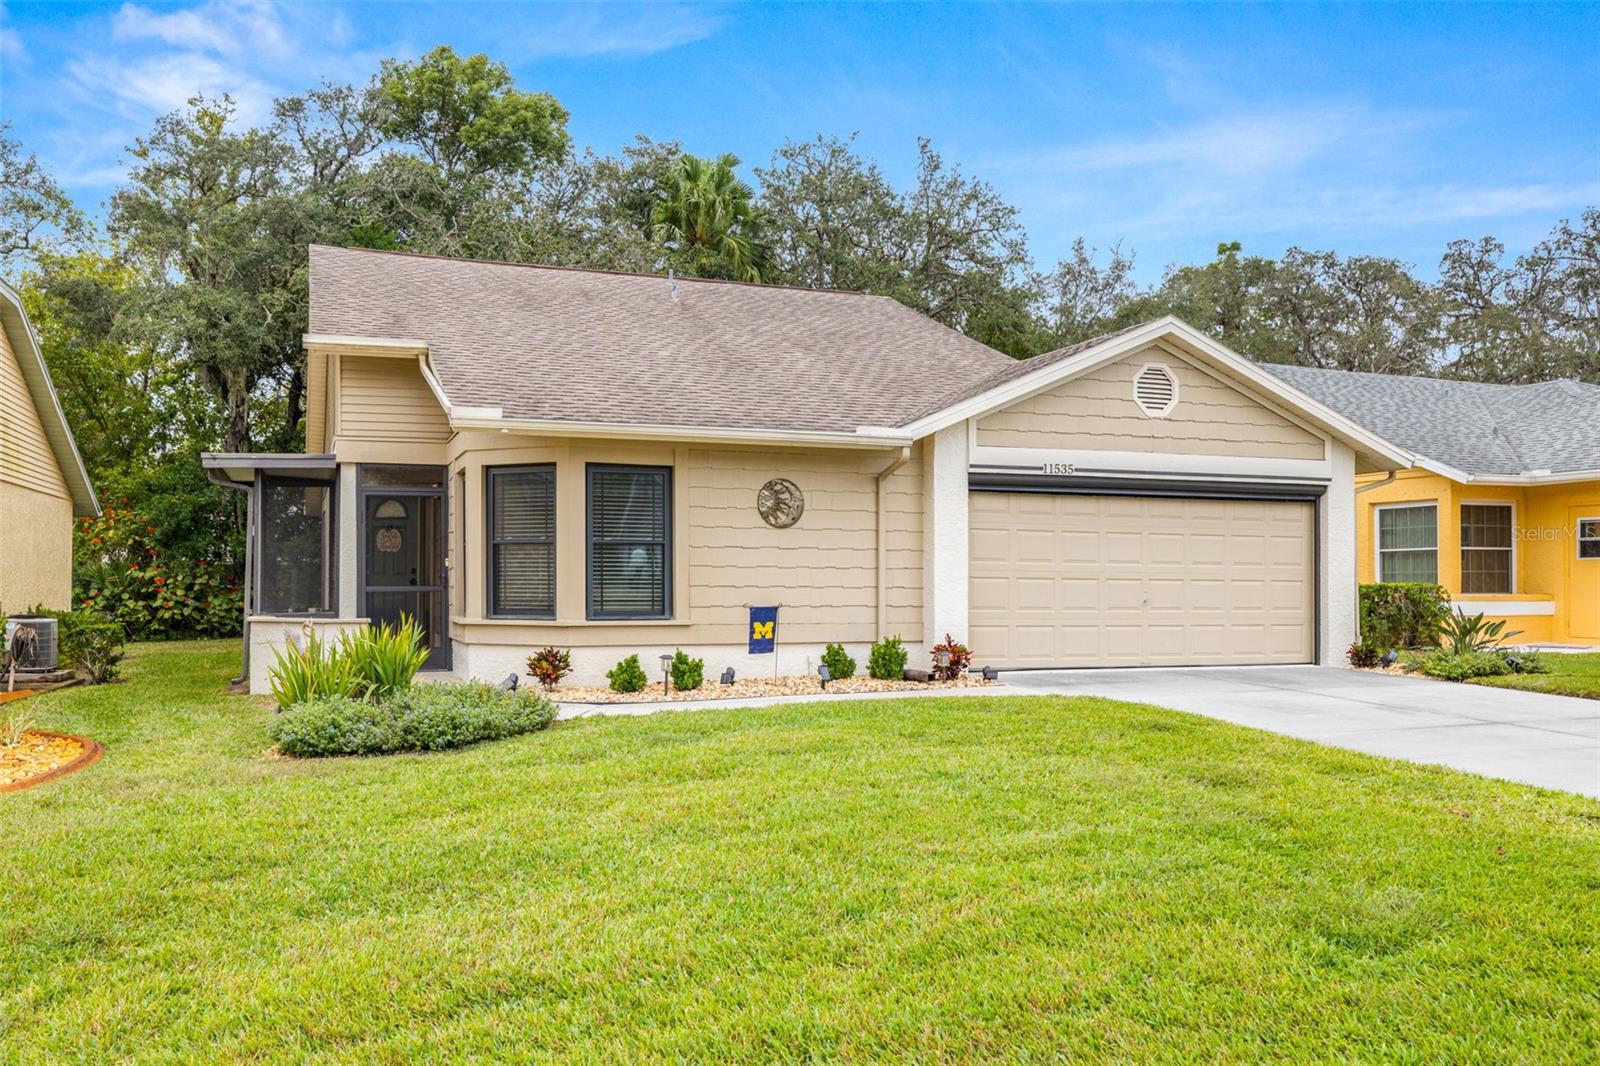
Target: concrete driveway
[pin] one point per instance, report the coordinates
(1553, 741)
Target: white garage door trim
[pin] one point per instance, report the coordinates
(1088, 644)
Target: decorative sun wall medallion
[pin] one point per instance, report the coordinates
(780, 503)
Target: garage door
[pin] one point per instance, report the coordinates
(1073, 580)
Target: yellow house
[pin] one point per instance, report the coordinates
(1503, 506)
(43, 483)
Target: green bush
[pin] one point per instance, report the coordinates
(887, 659)
(374, 663)
(1465, 665)
(1462, 633)
(423, 718)
(117, 570)
(839, 664)
(1403, 615)
(687, 674)
(1527, 662)
(549, 665)
(627, 676)
(1364, 656)
(86, 641)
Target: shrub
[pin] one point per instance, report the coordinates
(310, 668)
(386, 658)
(960, 659)
(549, 665)
(13, 723)
(1461, 634)
(1452, 666)
(86, 641)
(627, 676)
(423, 718)
(687, 674)
(1363, 655)
(118, 571)
(839, 664)
(1403, 615)
(887, 659)
(1527, 662)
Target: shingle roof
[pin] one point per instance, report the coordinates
(1484, 430)
(591, 346)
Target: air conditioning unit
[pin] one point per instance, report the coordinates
(44, 650)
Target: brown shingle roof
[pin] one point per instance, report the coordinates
(591, 346)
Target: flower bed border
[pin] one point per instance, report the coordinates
(92, 750)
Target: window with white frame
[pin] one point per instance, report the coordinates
(1487, 555)
(1408, 543)
(1589, 538)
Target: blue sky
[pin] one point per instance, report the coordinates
(1385, 129)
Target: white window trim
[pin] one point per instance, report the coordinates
(1156, 412)
(1580, 540)
(1510, 505)
(1377, 535)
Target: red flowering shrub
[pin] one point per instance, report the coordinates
(119, 572)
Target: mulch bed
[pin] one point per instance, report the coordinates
(42, 756)
(745, 688)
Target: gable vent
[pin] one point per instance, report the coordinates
(1155, 390)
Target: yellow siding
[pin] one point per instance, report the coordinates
(35, 549)
(1546, 567)
(386, 399)
(1097, 411)
(823, 569)
(26, 458)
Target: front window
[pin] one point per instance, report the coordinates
(630, 543)
(297, 563)
(1408, 543)
(1486, 553)
(522, 542)
(1589, 538)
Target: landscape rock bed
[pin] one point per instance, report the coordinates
(41, 756)
(747, 688)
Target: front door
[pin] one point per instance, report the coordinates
(403, 537)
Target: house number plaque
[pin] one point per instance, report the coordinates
(780, 503)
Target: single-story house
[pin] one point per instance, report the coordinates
(1503, 507)
(43, 482)
(522, 456)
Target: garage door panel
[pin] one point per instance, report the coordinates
(1073, 580)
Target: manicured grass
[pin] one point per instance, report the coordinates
(1569, 675)
(942, 880)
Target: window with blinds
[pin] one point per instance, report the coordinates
(522, 541)
(1487, 555)
(630, 542)
(1408, 543)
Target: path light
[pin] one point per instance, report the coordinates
(990, 673)
(822, 672)
(1392, 658)
(941, 659)
(727, 676)
(666, 674)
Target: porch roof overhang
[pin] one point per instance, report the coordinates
(238, 469)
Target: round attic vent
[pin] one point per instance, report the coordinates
(1155, 390)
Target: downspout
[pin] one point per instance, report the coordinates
(883, 539)
(1360, 636)
(247, 586)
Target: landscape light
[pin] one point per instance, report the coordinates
(822, 672)
(666, 673)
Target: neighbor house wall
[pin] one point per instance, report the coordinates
(1096, 411)
(35, 505)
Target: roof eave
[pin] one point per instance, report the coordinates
(36, 375)
(460, 419)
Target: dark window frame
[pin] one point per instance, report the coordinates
(667, 549)
(1509, 550)
(1587, 542)
(492, 543)
(258, 532)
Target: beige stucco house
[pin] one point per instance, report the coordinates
(43, 483)
(614, 463)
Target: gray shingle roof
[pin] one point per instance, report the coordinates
(1484, 430)
(591, 346)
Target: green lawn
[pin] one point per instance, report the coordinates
(1569, 675)
(1018, 879)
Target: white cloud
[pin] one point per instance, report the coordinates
(227, 29)
(166, 81)
(614, 30)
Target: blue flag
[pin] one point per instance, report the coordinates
(763, 630)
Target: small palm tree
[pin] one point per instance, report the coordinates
(705, 215)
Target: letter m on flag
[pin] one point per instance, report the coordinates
(763, 630)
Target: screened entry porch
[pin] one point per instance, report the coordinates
(338, 547)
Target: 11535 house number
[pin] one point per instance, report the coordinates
(1060, 468)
